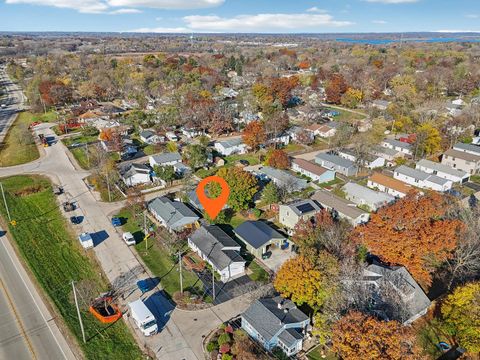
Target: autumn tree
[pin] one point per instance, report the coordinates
(243, 186)
(461, 316)
(306, 282)
(254, 134)
(414, 232)
(359, 336)
(195, 155)
(277, 158)
(166, 173)
(352, 98)
(270, 194)
(428, 139)
(336, 87)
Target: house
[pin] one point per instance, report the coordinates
(461, 160)
(171, 136)
(164, 159)
(181, 169)
(195, 202)
(454, 107)
(230, 147)
(380, 104)
(328, 130)
(468, 148)
(370, 161)
(421, 179)
(290, 214)
(190, 133)
(443, 171)
(259, 237)
(341, 208)
(281, 178)
(313, 171)
(337, 163)
(218, 249)
(136, 174)
(411, 302)
(279, 139)
(388, 185)
(315, 129)
(361, 195)
(397, 145)
(150, 137)
(174, 215)
(300, 134)
(390, 155)
(276, 322)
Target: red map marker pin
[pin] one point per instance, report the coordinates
(213, 206)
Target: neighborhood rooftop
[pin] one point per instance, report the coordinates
(398, 143)
(231, 142)
(390, 183)
(335, 159)
(257, 233)
(420, 175)
(441, 168)
(167, 157)
(302, 207)
(462, 155)
(310, 166)
(341, 205)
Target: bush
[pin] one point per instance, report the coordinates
(212, 346)
(225, 349)
(223, 339)
(256, 212)
(227, 357)
(90, 131)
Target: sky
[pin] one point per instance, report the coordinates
(241, 16)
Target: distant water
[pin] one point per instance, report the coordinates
(390, 41)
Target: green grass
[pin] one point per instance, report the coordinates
(80, 139)
(293, 147)
(428, 336)
(251, 158)
(347, 116)
(19, 144)
(80, 155)
(316, 354)
(159, 260)
(237, 219)
(55, 258)
(258, 273)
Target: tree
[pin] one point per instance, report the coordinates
(244, 348)
(306, 282)
(90, 131)
(461, 316)
(254, 134)
(336, 87)
(414, 232)
(195, 155)
(359, 336)
(270, 193)
(352, 98)
(278, 159)
(428, 139)
(243, 187)
(172, 146)
(166, 173)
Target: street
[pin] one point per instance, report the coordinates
(13, 102)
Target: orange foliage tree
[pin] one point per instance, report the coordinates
(359, 336)
(336, 87)
(278, 159)
(254, 134)
(413, 232)
(307, 231)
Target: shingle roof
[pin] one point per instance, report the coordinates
(147, 133)
(390, 183)
(167, 157)
(283, 177)
(231, 142)
(335, 159)
(369, 195)
(268, 320)
(220, 248)
(175, 214)
(256, 233)
(310, 167)
(343, 206)
(133, 169)
(441, 168)
(462, 155)
(467, 147)
(397, 143)
(420, 175)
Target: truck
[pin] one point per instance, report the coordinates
(86, 240)
(143, 317)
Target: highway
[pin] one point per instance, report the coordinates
(13, 100)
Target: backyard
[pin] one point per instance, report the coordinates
(55, 257)
(19, 145)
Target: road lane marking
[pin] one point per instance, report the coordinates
(33, 298)
(17, 318)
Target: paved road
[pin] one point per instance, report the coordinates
(13, 101)
(27, 329)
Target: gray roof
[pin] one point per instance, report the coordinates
(441, 168)
(369, 195)
(147, 133)
(462, 155)
(381, 102)
(290, 336)
(468, 148)
(398, 143)
(331, 201)
(379, 150)
(410, 292)
(220, 248)
(420, 175)
(283, 177)
(335, 159)
(257, 233)
(268, 319)
(231, 142)
(133, 169)
(167, 157)
(174, 213)
(302, 207)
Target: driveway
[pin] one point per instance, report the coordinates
(278, 257)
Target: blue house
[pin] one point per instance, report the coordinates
(276, 322)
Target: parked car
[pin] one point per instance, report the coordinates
(75, 220)
(86, 240)
(116, 221)
(128, 238)
(68, 206)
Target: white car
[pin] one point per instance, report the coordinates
(3, 106)
(128, 238)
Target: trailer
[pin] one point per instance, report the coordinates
(143, 318)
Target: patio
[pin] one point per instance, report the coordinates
(278, 257)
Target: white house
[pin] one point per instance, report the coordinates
(467, 148)
(421, 179)
(190, 133)
(390, 155)
(361, 195)
(171, 136)
(164, 159)
(370, 162)
(397, 145)
(149, 137)
(388, 185)
(230, 147)
(461, 160)
(312, 170)
(443, 171)
(136, 174)
(290, 214)
(218, 249)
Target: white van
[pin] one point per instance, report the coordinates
(171, 136)
(143, 318)
(128, 238)
(86, 240)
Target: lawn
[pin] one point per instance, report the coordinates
(347, 116)
(19, 147)
(316, 354)
(293, 147)
(55, 258)
(258, 273)
(159, 260)
(252, 158)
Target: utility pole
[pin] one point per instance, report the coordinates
(180, 264)
(88, 155)
(78, 311)
(213, 284)
(5, 202)
(108, 185)
(145, 229)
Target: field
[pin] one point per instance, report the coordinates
(19, 147)
(55, 258)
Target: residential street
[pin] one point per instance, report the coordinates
(14, 102)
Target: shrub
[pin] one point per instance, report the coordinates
(225, 348)
(227, 357)
(212, 346)
(223, 339)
